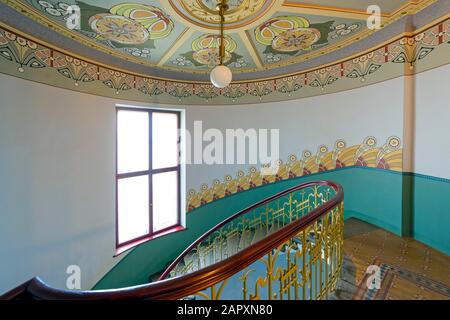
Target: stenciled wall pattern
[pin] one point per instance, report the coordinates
(387, 156)
(35, 61)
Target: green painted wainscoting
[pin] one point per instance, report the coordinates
(431, 206)
(372, 195)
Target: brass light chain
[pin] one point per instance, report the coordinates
(222, 7)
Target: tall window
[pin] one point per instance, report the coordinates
(148, 174)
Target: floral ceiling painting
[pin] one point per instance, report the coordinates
(160, 32)
(150, 33)
(179, 39)
(275, 40)
(128, 27)
(284, 36)
(201, 51)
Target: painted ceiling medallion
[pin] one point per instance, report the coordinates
(296, 39)
(206, 49)
(127, 27)
(119, 29)
(210, 57)
(292, 34)
(152, 18)
(266, 32)
(204, 12)
(213, 41)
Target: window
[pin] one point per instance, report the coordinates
(148, 174)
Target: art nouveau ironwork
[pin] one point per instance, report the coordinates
(306, 266)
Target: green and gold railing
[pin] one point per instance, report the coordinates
(288, 246)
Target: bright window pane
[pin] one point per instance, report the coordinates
(132, 141)
(165, 200)
(165, 140)
(133, 207)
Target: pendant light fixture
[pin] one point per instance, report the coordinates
(221, 75)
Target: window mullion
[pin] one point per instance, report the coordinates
(132, 174)
(150, 176)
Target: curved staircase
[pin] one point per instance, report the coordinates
(288, 246)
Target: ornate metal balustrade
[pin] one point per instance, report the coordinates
(306, 266)
(288, 246)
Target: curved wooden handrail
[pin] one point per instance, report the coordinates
(182, 286)
(240, 213)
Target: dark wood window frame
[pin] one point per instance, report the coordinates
(124, 246)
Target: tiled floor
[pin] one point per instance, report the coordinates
(412, 269)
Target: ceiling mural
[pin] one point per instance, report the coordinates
(426, 48)
(131, 49)
(204, 13)
(288, 36)
(179, 39)
(133, 28)
(201, 51)
(182, 35)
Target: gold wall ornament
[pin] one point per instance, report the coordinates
(366, 154)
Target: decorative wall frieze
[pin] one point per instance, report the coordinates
(387, 156)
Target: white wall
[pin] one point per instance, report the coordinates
(432, 134)
(305, 124)
(57, 183)
(57, 167)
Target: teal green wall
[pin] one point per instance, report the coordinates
(372, 195)
(431, 203)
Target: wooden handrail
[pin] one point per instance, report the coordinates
(182, 286)
(240, 213)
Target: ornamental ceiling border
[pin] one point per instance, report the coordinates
(25, 9)
(300, 72)
(30, 59)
